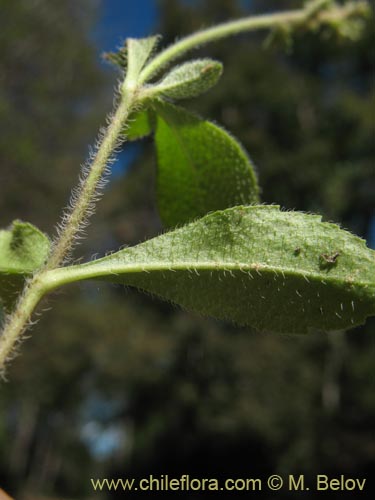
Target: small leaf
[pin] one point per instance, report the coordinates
(140, 125)
(23, 249)
(254, 265)
(118, 58)
(190, 79)
(201, 167)
(139, 50)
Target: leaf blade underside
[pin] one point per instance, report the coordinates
(190, 79)
(256, 266)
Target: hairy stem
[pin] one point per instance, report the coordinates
(15, 324)
(247, 24)
(72, 222)
(86, 195)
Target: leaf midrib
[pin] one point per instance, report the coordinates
(85, 271)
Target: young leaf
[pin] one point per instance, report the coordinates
(190, 79)
(23, 249)
(139, 51)
(279, 271)
(201, 167)
(141, 124)
(118, 58)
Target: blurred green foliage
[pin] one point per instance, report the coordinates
(189, 395)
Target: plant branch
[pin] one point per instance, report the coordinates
(16, 323)
(82, 205)
(289, 18)
(73, 221)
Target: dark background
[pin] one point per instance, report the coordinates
(116, 384)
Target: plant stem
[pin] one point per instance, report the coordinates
(293, 17)
(72, 223)
(86, 194)
(84, 199)
(16, 323)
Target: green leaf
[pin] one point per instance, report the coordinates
(201, 168)
(139, 51)
(190, 79)
(141, 124)
(23, 249)
(276, 271)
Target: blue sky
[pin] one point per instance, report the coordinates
(119, 19)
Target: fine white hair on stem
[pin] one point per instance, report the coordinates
(95, 171)
(93, 178)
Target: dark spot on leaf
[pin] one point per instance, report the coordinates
(207, 68)
(327, 261)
